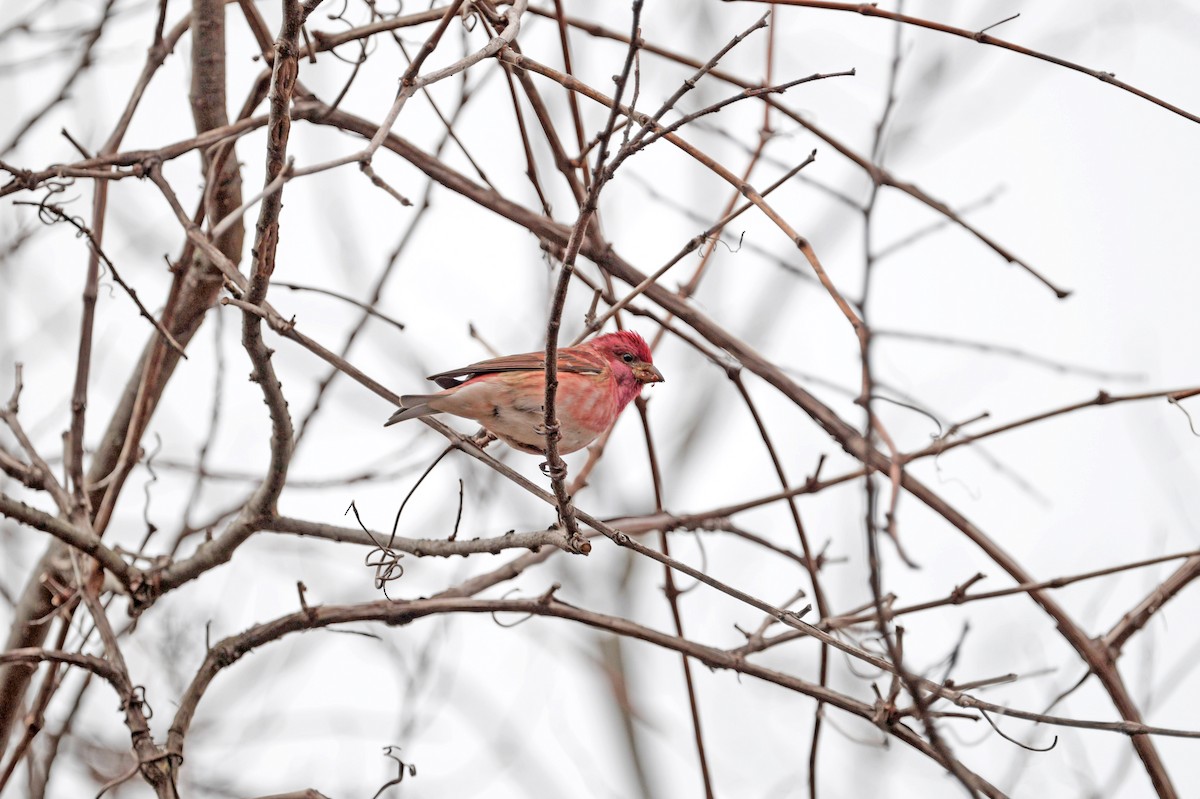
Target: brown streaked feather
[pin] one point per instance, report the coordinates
(573, 359)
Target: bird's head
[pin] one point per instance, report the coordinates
(628, 352)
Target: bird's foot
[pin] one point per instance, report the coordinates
(483, 438)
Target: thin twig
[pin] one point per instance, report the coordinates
(871, 10)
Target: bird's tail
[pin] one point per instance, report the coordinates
(412, 406)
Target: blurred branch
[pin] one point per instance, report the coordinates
(871, 10)
(138, 163)
(96, 665)
(83, 540)
(1102, 398)
(54, 213)
(748, 191)
(1026, 356)
(1137, 618)
(875, 172)
(961, 596)
(84, 61)
(38, 470)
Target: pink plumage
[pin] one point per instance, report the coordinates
(506, 395)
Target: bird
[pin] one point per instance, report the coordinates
(507, 395)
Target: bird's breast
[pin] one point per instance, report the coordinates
(512, 407)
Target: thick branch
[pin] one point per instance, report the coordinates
(421, 547)
(82, 540)
(232, 649)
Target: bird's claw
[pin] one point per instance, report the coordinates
(483, 438)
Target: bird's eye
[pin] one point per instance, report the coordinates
(627, 357)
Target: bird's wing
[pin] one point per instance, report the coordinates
(570, 359)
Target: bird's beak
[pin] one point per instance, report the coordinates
(648, 373)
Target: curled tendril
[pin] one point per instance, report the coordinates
(137, 697)
(387, 565)
(1175, 401)
(402, 769)
(510, 625)
(383, 558)
(1010, 739)
(365, 45)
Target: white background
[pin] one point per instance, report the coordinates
(1097, 189)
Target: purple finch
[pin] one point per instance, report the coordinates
(507, 395)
